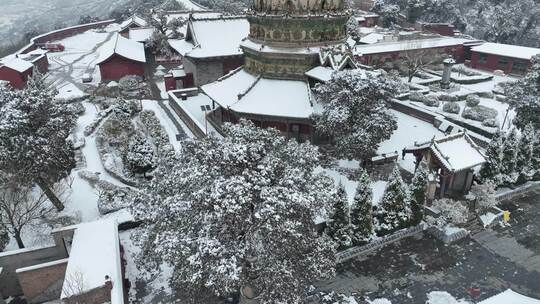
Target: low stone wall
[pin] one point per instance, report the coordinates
(511, 193)
(43, 282)
(12, 260)
(445, 238)
(379, 243)
(188, 120)
(61, 34)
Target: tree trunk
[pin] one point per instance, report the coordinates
(411, 76)
(50, 194)
(18, 239)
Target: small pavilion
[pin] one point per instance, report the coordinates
(455, 158)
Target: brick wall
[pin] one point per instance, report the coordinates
(95, 296)
(44, 283)
(12, 260)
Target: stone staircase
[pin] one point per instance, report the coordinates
(473, 225)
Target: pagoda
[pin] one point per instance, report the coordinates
(289, 43)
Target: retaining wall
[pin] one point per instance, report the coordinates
(12, 260)
(62, 33)
(42, 283)
(379, 243)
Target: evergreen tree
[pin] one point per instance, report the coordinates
(361, 211)
(140, 157)
(394, 210)
(492, 168)
(238, 211)
(355, 114)
(525, 154)
(524, 96)
(340, 225)
(509, 158)
(536, 156)
(418, 195)
(34, 145)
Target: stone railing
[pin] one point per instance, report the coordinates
(351, 253)
(511, 193)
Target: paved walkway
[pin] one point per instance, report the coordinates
(505, 257)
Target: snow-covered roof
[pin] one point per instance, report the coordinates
(404, 45)
(246, 93)
(508, 50)
(510, 297)
(124, 47)
(181, 46)
(372, 38)
(456, 152)
(95, 253)
(178, 73)
(140, 34)
(16, 64)
(133, 20)
(321, 73)
(217, 37)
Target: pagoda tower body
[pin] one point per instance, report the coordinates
(288, 40)
(286, 35)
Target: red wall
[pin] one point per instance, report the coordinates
(17, 80)
(439, 28)
(492, 63)
(117, 67)
(232, 63)
(42, 64)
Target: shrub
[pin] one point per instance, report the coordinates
(486, 94)
(417, 96)
(111, 200)
(431, 101)
(454, 212)
(473, 100)
(447, 97)
(484, 196)
(479, 113)
(130, 82)
(491, 123)
(451, 107)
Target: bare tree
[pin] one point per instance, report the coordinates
(74, 284)
(20, 206)
(414, 58)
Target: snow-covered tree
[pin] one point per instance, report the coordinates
(34, 129)
(493, 166)
(339, 227)
(140, 156)
(414, 9)
(525, 154)
(413, 59)
(394, 210)
(164, 29)
(389, 12)
(234, 7)
(484, 196)
(355, 114)
(172, 5)
(524, 96)
(4, 238)
(418, 193)
(361, 211)
(509, 151)
(450, 212)
(20, 206)
(238, 212)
